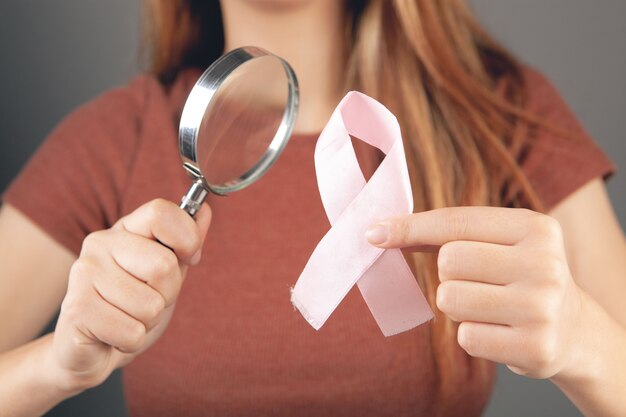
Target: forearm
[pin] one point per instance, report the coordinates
(595, 380)
(29, 386)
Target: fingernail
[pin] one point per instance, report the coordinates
(377, 234)
(195, 259)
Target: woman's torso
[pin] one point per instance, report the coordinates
(235, 345)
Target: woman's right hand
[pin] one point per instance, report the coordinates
(122, 290)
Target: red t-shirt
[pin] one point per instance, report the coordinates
(235, 345)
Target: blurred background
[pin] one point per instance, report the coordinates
(56, 55)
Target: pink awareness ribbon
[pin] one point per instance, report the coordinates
(344, 257)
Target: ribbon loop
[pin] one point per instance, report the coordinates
(344, 257)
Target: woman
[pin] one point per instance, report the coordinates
(530, 276)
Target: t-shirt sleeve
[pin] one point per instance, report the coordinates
(73, 183)
(559, 161)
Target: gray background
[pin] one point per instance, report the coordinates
(56, 55)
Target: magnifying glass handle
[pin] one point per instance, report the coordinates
(194, 198)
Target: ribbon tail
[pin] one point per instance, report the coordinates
(393, 295)
(337, 263)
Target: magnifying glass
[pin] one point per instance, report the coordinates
(235, 123)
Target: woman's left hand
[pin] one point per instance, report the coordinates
(504, 276)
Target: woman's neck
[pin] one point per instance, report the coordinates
(309, 35)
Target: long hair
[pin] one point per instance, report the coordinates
(458, 95)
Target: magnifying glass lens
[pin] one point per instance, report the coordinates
(242, 120)
(236, 121)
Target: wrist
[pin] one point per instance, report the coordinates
(584, 351)
(29, 383)
(593, 352)
(53, 376)
(593, 377)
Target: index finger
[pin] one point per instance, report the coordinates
(505, 226)
(165, 222)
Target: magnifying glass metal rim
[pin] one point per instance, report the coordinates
(193, 112)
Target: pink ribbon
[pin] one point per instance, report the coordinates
(344, 257)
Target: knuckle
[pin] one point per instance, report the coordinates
(134, 337)
(526, 212)
(400, 230)
(518, 370)
(465, 339)
(165, 264)
(543, 306)
(157, 208)
(557, 268)
(83, 268)
(456, 223)
(195, 240)
(447, 260)
(94, 241)
(155, 306)
(547, 226)
(191, 242)
(544, 352)
(446, 298)
(76, 340)
(73, 308)
(554, 270)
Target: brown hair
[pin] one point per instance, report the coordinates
(457, 94)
